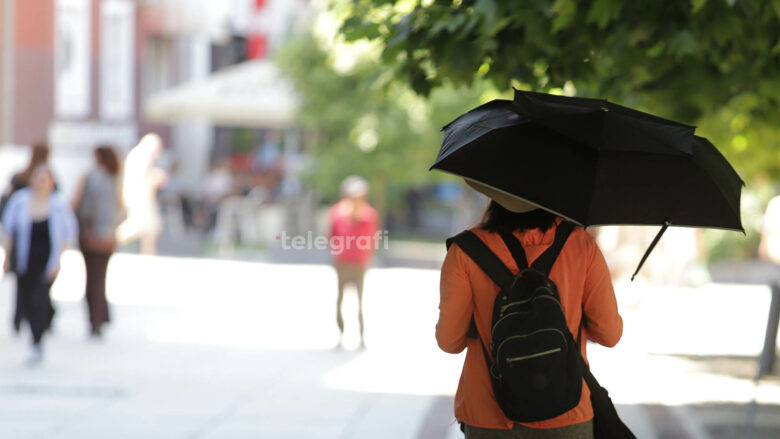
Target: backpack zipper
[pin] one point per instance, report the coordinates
(530, 334)
(492, 331)
(554, 300)
(527, 357)
(520, 302)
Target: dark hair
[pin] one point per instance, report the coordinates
(107, 157)
(40, 155)
(496, 218)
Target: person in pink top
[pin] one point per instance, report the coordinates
(353, 229)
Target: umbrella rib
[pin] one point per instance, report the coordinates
(515, 196)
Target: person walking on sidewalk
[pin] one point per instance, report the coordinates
(97, 204)
(141, 182)
(40, 224)
(20, 180)
(353, 226)
(584, 286)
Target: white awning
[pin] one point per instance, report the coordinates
(250, 94)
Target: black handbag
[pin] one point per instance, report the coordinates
(606, 422)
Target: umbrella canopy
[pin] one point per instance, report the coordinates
(250, 94)
(593, 162)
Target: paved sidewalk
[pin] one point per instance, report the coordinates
(221, 349)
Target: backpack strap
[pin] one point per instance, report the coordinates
(481, 254)
(545, 261)
(515, 248)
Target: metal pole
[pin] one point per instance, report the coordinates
(7, 85)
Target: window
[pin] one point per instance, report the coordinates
(157, 65)
(72, 58)
(117, 59)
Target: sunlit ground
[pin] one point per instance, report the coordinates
(210, 348)
(286, 307)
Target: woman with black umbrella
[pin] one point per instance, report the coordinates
(584, 286)
(551, 164)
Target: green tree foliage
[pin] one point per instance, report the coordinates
(715, 63)
(361, 122)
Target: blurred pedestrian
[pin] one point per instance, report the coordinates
(769, 248)
(142, 180)
(39, 222)
(97, 204)
(217, 186)
(517, 233)
(20, 180)
(353, 228)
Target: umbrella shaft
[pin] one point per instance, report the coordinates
(657, 238)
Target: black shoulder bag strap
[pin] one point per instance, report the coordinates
(606, 422)
(545, 261)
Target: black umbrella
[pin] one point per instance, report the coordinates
(594, 162)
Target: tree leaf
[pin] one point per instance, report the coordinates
(656, 50)
(488, 11)
(698, 4)
(684, 43)
(355, 29)
(603, 12)
(565, 11)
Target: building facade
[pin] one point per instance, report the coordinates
(70, 73)
(76, 73)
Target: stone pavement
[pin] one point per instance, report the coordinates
(205, 348)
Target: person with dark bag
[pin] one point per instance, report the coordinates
(97, 204)
(514, 291)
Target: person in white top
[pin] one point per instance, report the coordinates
(769, 249)
(142, 180)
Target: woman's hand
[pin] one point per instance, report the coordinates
(8, 244)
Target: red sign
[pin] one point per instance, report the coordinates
(257, 39)
(257, 46)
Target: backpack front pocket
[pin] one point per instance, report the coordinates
(529, 368)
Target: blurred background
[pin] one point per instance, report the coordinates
(264, 107)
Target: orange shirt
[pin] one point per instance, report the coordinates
(583, 281)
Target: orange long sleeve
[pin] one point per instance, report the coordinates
(456, 305)
(584, 283)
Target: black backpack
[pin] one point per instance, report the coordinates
(536, 369)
